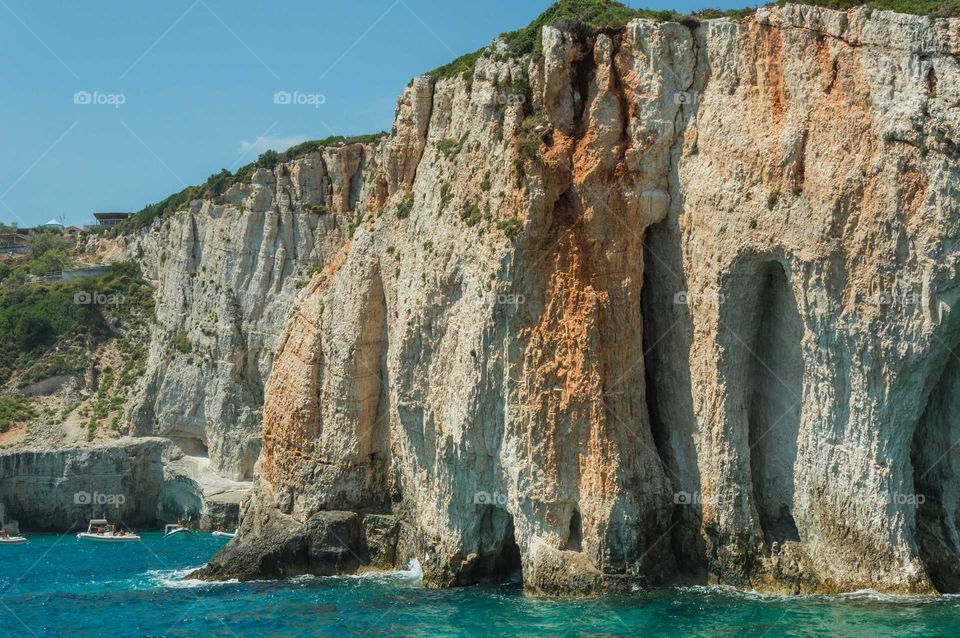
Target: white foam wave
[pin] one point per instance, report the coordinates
(412, 573)
(176, 578)
(858, 595)
(874, 595)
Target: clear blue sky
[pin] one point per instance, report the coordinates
(197, 80)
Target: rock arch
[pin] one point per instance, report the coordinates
(498, 556)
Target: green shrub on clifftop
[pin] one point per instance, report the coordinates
(933, 8)
(218, 183)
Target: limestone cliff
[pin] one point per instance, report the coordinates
(139, 481)
(226, 272)
(667, 301)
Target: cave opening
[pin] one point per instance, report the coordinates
(774, 391)
(935, 457)
(575, 534)
(652, 338)
(191, 445)
(668, 392)
(499, 555)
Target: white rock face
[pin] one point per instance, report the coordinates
(722, 344)
(142, 481)
(813, 241)
(55, 489)
(226, 275)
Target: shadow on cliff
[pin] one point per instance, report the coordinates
(667, 339)
(935, 460)
(759, 337)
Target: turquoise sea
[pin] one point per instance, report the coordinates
(58, 586)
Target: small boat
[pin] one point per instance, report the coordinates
(12, 540)
(174, 529)
(100, 530)
(225, 534)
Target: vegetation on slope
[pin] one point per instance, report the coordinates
(48, 328)
(49, 252)
(14, 410)
(218, 183)
(576, 14)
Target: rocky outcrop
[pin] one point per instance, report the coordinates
(193, 492)
(140, 482)
(720, 346)
(810, 241)
(325, 544)
(225, 272)
(57, 490)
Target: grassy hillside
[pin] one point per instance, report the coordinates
(49, 252)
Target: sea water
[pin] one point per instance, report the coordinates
(59, 586)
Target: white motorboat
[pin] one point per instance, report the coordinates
(102, 531)
(12, 540)
(175, 529)
(225, 534)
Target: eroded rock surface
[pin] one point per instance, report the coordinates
(325, 544)
(227, 272)
(720, 346)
